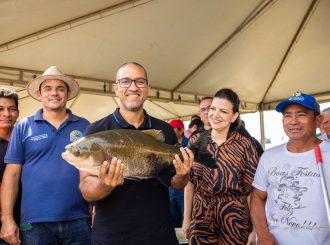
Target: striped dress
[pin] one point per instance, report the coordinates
(220, 210)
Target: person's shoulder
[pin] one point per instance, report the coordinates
(26, 121)
(82, 119)
(325, 146)
(237, 135)
(248, 141)
(324, 137)
(156, 122)
(159, 124)
(99, 125)
(275, 149)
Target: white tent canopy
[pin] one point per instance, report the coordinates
(263, 49)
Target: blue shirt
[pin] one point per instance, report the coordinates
(50, 185)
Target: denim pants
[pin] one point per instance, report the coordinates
(71, 232)
(176, 203)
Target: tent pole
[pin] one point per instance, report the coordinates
(262, 128)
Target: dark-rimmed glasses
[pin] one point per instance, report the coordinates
(126, 82)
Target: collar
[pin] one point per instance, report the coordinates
(146, 124)
(38, 116)
(325, 137)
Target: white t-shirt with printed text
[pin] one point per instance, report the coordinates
(295, 209)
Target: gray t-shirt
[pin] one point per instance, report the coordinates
(295, 209)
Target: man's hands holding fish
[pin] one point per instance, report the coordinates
(182, 168)
(112, 174)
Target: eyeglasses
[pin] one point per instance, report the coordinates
(206, 109)
(126, 82)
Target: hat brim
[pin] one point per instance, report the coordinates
(34, 85)
(281, 106)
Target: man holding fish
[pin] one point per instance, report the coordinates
(132, 208)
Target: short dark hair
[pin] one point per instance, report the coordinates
(232, 97)
(205, 98)
(9, 94)
(136, 64)
(193, 117)
(197, 122)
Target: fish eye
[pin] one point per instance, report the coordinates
(76, 152)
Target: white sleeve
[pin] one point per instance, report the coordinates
(260, 181)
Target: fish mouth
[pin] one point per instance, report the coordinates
(80, 165)
(67, 156)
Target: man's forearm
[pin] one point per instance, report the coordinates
(258, 215)
(188, 200)
(92, 189)
(179, 182)
(10, 183)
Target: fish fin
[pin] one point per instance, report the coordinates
(157, 134)
(202, 155)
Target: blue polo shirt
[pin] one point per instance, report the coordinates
(138, 212)
(50, 185)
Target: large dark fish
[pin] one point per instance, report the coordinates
(144, 153)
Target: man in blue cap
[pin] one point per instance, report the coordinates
(286, 203)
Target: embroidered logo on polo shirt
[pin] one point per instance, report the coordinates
(75, 135)
(39, 137)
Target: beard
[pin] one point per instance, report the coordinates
(132, 106)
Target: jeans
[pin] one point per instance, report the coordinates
(176, 203)
(71, 232)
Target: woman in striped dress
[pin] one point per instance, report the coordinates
(216, 199)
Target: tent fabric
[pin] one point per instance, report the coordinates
(263, 49)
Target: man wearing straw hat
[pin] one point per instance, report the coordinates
(287, 203)
(53, 210)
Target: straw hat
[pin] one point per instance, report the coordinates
(52, 73)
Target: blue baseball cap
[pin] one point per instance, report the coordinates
(299, 98)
